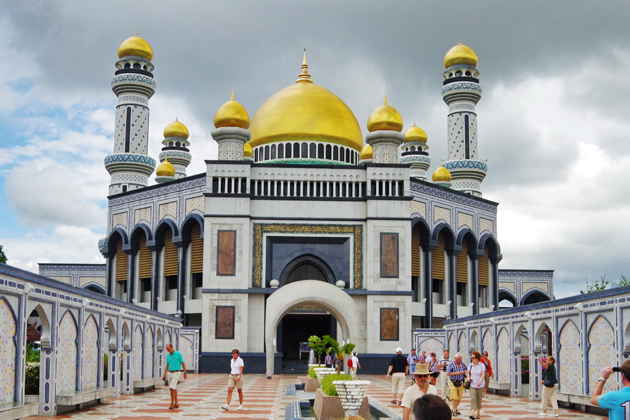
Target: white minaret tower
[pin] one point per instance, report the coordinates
(129, 165)
(176, 147)
(461, 91)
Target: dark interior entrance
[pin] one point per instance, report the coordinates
(296, 328)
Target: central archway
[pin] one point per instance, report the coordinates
(324, 295)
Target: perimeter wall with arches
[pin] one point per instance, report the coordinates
(584, 333)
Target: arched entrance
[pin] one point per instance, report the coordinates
(307, 292)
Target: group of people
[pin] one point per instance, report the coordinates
(353, 363)
(452, 374)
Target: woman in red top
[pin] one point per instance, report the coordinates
(486, 361)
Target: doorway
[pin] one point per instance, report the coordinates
(294, 329)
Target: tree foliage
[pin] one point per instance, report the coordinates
(318, 347)
(603, 283)
(3, 257)
(340, 351)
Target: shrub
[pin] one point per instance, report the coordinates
(327, 383)
(31, 384)
(311, 372)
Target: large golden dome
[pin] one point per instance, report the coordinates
(460, 54)
(385, 117)
(134, 45)
(305, 111)
(231, 114)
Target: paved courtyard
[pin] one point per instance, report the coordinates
(201, 397)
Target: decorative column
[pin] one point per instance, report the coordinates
(461, 91)
(133, 84)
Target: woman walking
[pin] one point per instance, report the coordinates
(550, 386)
(486, 362)
(477, 375)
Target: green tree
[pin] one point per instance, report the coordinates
(623, 281)
(3, 258)
(598, 286)
(318, 347)
(341, 352)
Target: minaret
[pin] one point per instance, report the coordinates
(461, 91)
(176, 148)
(385, 125)
(133, 84)
(414, 151)
(232, 122)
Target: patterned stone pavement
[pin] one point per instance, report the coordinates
(201, 397)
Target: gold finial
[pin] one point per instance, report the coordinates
(460, 42)
(385, 100)
(136, 33)
(304, 77)
(232, 99)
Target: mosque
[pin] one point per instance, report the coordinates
(302, 226)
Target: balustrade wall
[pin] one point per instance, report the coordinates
(585, 333)
(78, 328)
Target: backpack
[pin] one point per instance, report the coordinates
(350, 362)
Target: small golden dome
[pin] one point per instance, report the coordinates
(247, 150)
(385, 117)
(366, 152)
(231, 114)
(441, 174)
(165, 169)
(460, 54)
(415, 133)
(176, 129)
(134, 45)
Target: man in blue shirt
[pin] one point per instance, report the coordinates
(174, 367)
(617, 402)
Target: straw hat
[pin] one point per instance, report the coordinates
(422, 369)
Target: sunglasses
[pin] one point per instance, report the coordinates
(422, 376)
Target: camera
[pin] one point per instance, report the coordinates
(616, 369)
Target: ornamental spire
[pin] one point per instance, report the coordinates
(304, 77)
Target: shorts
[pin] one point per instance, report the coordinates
(398, 382)
(173, 379)
(435, 374)
(412, 368)
(232, 383)
(456, 392)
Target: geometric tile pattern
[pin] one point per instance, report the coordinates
(486, 225)
(601, 353)
(194, 203)
(67, 355)
(83, 280)
(90, 362)
(119, 219)
(142, 214)
(464, 219)
(137, 351)
(452, 345)
(186, 348)
(503, 365)
(541, 286)
(168, 209)
(63, 279)
(508, 286)
(7, 352)
(463, 345)
(431, 345)
(569, 366)
(148, 353)
(418, 207)
(440, 213)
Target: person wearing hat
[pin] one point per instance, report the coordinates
(398, 368)
(421, 387)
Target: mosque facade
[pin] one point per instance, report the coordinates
(301, 226)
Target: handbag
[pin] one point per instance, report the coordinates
(457, 383)
(548, 383)
(467, 385)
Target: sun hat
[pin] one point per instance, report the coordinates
(422, 369)
(398, 350)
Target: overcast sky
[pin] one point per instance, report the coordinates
(553, 121)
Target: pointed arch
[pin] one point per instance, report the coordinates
(474, 342)
(8, 351)
(90, 352)
(137, 233)
(167, 224)
(444, 229)
(503, 356)
(138, 346)
(109, 246)
(126, 336)
(44, 320)
(569, 367)
(67, 353)
(601, 351)
(542, 338)
(111, 328)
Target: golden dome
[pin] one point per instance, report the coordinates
(460, 54)
(441, 174)
(366, 152)
(385, 117)
(247, 150)
(231, 114)
(134, 45)
(305, 111)
(165, 169)
(415, 133)
(176, 129)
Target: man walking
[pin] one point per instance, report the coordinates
(398, 368)
(355, 365)
(442, 367)
(235, 380)
(412, 360)
(617, 402)
(174, 367)
(456, 371)
(421, 388)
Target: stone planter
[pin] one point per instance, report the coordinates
(351, 394)
(311, 384)
(326, 407)
(321, 372)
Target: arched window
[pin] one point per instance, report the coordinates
(128, 130)
(306, 271)
(266, 152)
(288, 150)
(280, 151)
(313, 151)
(304, 151)
(296, 150)
(256, 155)
(328, 152)
(335, 153)
(273, 151)
(320, 151)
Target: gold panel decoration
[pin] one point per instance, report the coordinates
(261, 228)
(389, 255)
(389, 324)
(464, 219)
(226, 253)
(438, 262)
(441, 213)
(121, 261)
(486, 225)
(415, 253)
(195, 203)
(142, 214)
(145, 259)
(119, 219)
(484, 268)
(420, 208)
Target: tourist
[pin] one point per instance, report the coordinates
(550, 388)
(456, 372)
(431, 407)
(433, 368)
(328, 360)
(442, 367)
(616, 402)
(235, 380)
(486, 362)
(412, 360)
(398, 368)
(174, 367)
(421, 387)
(355, 365)
(423, 357)
(477, 375)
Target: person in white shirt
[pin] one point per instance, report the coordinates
(477, 375)
(421, 387)
(442, 366)
(355, 365)
(235, 380)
